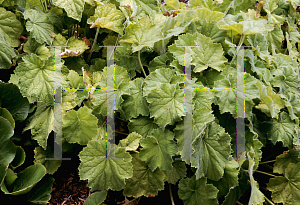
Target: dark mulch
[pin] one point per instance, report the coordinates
(69, 190)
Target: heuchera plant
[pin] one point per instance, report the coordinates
(149, 91)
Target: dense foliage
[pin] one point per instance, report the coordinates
(149, 89)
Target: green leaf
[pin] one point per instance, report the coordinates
(245, 27)
(284, 71)
(37, 78)
(183, 40)
(258, 66)
(19, 158)
(70, 99)
(283, 160)
(177, 172)
(55, 20)
(186, 16)
(10, 178)
(259, 43)
(291, 102)
(209, 29)
(226, 99)
(32, 46)
(3, 169)
(275, 39)
(131, 142)
(257, 197)
(286, 189)
(10, 27)
(271, 103)
(160, 76)
(142, 125)
(233, 195)
(270, 7)
(142, 33)
(193, 191)
(282, 130)
(158, 148)
(143, 182)
(208, 54)
(161, 61)
(7, 53)
(76, 48)
(201, 118)
(13, 101)
(40, 156)
(212, 5)
(121, 85)
(107, 16)
(41, 123)
(76, 63)
(59, 40)
(134, 103)
(103, 173)
(172, 4)
(39, 26)
(168, 28)
(96, 198)
(7, 149)
(79, 126)
(27, 179)
(74, 8)
(40, 194)
(166, 104)
(253, 145)
(229, 179)
(6, 115)
(228, 81)
(140, 7)
(212, 150)
(202, 98)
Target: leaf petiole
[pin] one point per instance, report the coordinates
(139, 57)
(171, 196)
(268, 200)
(266, 162)
(95, 40)
(272, 175)
(133, 200)
(121, 133)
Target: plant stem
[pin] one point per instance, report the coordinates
(139, 56)
(121, 119)
(172, 200)
(43, 5)
(239, 203)
(121, 133)
(69, 30)
(266, 162)
(267, 166)
(268, 200)
(132, 200)
(238, 48)
(227, 9)
(77, 34)
(265, 173)
(95, 41)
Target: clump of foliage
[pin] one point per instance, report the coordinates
(149, 90)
